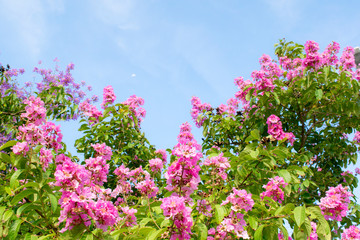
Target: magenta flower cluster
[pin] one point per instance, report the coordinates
(219, 165)
(275, 129)
(351, 233)
(174, 208)
(134, 103)
(197, 109)
(273, 189)
(37, 131)
(335, 203)
(234, 223)
(83, 200)
(108, 96)
(182, 176)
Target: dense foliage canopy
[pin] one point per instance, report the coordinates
(272, 163)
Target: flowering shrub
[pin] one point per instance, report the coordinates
(273, 158)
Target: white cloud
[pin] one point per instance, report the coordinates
(115, 12)
(27, 19)
(290, 10)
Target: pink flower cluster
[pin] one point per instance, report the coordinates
(134, 103)
(138, 177)
(275, 129)
(62, 79)
(35, 111)
(90, 111)
(313, 234)
(97, 166)
(232, 225)
(204, 207)
(183, 174)
(83, 200)
(357, 137)
(197, 109)
(273, 189)
(108, 96)
(219, 164)
(162, 154)
(156, 165)
(174, 209)
(37, 131)
(230, 108)
(239, 200)
(351, 233)
(128, 216)
(335, 204)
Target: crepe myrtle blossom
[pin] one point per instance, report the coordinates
(273, 189)
(351, 233)
(102, 150)
(357, 137)
(90, 111)
(128, 216)
(335, 203)
(34, 111)
(219, 164)
(45, 157)
(182, 175)
(197, 109)
(20, 148)
(134, 104)
(232, 226)
(156, 164)
(275, 129)
(108, 96)
(204, 207)
(174, 209)
(162, 154)
(313, 234)
(105, 214)
(240, 200)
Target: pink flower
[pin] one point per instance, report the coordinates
(273, 189)
(174, 209)
(197, 111)
(240, 200)
(105, 214)
(162, 154)
(156, 164)
(129, 216)
(108, 96)
(351, 233)
(335, 204)
(219, 164)
(102, 150)
(204, 207)
(35, 111)
(20, 148)
(45, 158)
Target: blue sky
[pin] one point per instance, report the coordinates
(165, 51)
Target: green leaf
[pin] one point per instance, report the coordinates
(258, 233)
(20, 196)
(13, 180)
(299, 215)
(14, 229)
(252, 222)
(8, 144)
(53, 202)
(285, 174)
(155, 234)
(318, 94)
(202, 231)
(220, 212)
